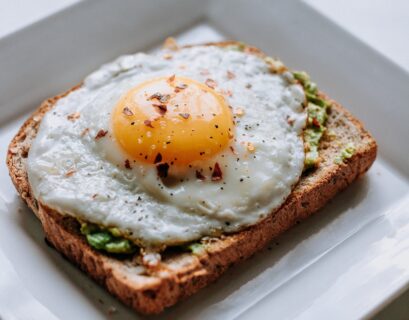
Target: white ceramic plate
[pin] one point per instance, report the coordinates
(346, 262)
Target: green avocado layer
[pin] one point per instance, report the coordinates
(347, 152)
(196, 248)
(108, 240)
(317, 109)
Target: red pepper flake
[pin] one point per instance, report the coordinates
(226, 92)
(148, 123)
(204, 72)
(94, 195)
(127, 164)
(163, 98)
(73, 116)
(161, 108)
(232, 150)
(171, 79)
(126, 111)
(230, 75)
(199, 175)
(290, 121)
(101, 133)
(211, 83)
(184, 115)
(156, 95)
(316, 123)
(84, 132)
(162, 169)
(180, 87)
(158, 158)
(69, 173)
(217, 173)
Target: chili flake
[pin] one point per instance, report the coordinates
(73, 116)
(217, 173)
(204, 72)
(230, 75)
(128, 112)
(84, 132)
(291, 121)
(316, 123)
(161, 108)
(211, 83)
(163, 98)
(184, 115)
(101, 133)
(148, 123)
(69, 173)
(171, 79)
(180, 87)
(227, 93)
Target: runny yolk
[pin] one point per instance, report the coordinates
(176, 120)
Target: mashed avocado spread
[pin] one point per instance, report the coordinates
(347, 152)
(317, 109)
(108, 240)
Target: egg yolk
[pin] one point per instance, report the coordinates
(174, 119)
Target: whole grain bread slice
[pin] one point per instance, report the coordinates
(180, 274)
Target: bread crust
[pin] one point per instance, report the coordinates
(181, 274)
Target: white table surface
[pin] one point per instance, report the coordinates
(382, 24)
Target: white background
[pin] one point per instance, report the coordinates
(382, 24)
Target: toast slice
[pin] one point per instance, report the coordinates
(180, 274)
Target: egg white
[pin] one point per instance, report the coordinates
(71, 171)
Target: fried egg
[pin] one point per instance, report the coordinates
(172, 146)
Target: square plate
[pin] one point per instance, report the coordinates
(347, 261)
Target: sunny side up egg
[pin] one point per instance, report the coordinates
(172, 147)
